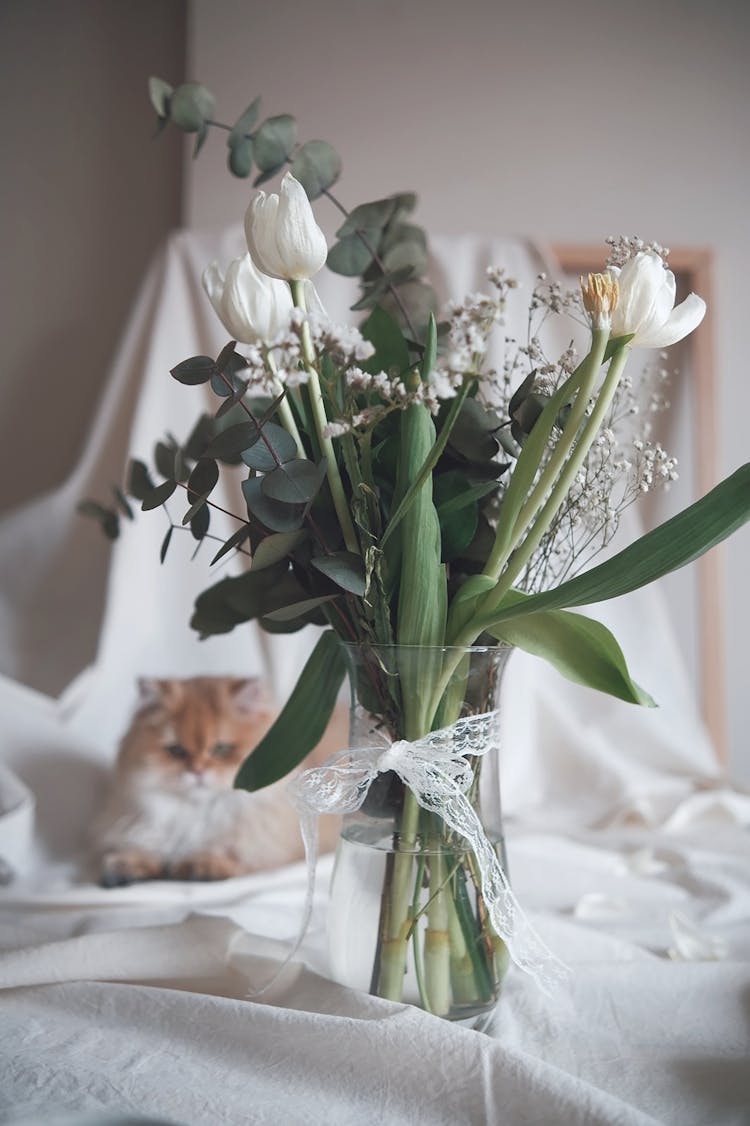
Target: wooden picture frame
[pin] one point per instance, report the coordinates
(694, 270)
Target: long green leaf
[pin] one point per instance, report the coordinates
(582, 649)
(302, 721)
(673, 544)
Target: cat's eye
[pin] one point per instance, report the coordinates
(176, 750)
(224, 750)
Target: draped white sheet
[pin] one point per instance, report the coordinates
(625, 843)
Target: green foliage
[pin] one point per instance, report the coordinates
(274, 142)
(345, 569)
(276, 515)
(158, 495)
(673, 544)
(582, 649)
(190, 106)
(106, 518)
(274, 446)
(391, 349)
(295, 482)
(196, 370)
(317, 166)
(303, 720)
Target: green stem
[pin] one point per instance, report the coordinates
(469, 633)
(437, 947)
(415, 913)
(563, 484)
(321, 421)
(396, 922)
(567, 438)
(286, 415)
(508, 530)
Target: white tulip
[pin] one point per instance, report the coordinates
(251, 306)
(282, 235)
(646, 308)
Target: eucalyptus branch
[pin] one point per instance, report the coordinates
(286, 415)
(392, 289)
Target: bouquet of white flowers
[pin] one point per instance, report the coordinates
(424, 509)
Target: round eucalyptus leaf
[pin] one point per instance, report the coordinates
(350, 256)
(195, 370)
(295, 482)
(282, 448)
(276, 547)
(345, 569)
(368, 216)
(317, 166)
(235, 541)
(403, 232)
(202, 480)
(165, 543)
(243, 124)
(236, 439)
(273, 514)
(200, 140)
(297, 609)
(201, 434)
(160, 93)
(139, 480)
(419, 299)
(200, 522)
(158, 496)
(406, 253)
(240, 158)
(274, 141)
(269, 174)
(164, 459)
(190, 106)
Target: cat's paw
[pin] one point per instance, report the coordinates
(206, 866)
(131, 866)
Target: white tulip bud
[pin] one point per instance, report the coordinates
(646, 307)
(282, 236)
(251, 306)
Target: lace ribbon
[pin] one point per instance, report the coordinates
(436, 770)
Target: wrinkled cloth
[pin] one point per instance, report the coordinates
(628, 846)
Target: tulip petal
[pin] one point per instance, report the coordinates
(645, 287)
(213, 284)
(260, 231)
(300, 243)
(683, 319)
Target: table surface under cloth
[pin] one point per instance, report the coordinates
(628, 848)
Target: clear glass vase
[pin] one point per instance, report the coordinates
(407, 916)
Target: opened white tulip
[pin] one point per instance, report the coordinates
(251, 306)
(646, 308)
(282, 235)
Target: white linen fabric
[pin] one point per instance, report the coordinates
(628, 847)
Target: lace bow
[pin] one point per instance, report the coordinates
(437, 771)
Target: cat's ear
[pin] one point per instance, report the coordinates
(151, 691)
(249, 694)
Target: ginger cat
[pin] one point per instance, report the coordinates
(172, 812)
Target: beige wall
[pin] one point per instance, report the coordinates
(83, 203)
(568, 121)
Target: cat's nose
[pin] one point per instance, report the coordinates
(198, 770)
